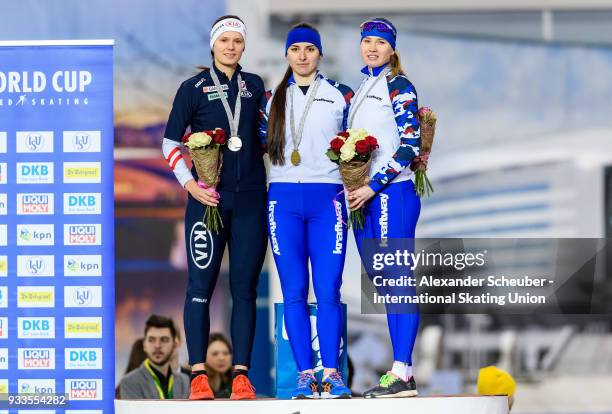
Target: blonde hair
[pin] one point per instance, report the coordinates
(396, 65)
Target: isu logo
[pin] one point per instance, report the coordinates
(82, 234)
(82, 141)
(35, 265)
(34, 142)
(201, 245)
(35, 203)
(41, 358)
(28, 141)
(84, 389)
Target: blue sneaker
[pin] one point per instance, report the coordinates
(307, 387)
(333, 387)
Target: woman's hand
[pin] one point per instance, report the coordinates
(419, 163)
(208, 196)
(357, 198)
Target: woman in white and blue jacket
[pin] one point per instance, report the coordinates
(386, 106)
(305, 213)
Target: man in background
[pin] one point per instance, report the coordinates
(154, 378)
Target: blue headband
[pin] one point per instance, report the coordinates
(388, 31)
(303, 34)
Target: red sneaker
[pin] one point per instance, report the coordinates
(200, 389)
(242, 389)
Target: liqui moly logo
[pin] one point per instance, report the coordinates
(36, 358)
(35, 203)
(3, 328)
(84, 389)
(82, 141)
(34, 141)
(36, 266)
(82, 234)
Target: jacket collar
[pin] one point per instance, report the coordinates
(292, 80)
(366, 70)
(222, 76)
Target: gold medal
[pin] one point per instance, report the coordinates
(295, 157)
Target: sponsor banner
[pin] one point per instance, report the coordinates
(83, 265)
(36, 386)
(34, 141)
(4, 388)
(36, 328)
(35, 235)
(35, 203)
(83, 358)
(82, 141)
(82, 172)
(3, 296)
(83, 296)
(3, 266)
(2, 142)
(34, 173)
(36, 266)
(83, 389)
(83, 327)
(3, 328)
(3, 173)
(82, 234)
(36, 358)
(82, 203)
(35, 296)
(84, 412)
(4, 358)
(3, 235)
(3, 204)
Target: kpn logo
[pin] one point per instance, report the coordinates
(36, 386)
(83, 358)
(35, 235)
(4, 358)
(34, 141)
(84, 389)
(83, 265)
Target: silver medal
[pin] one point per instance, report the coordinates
(234, 143)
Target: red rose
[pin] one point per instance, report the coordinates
(373, 142)
(343, 134)
(362, 147)
(186, 138)
(336, 144)
(218, 136)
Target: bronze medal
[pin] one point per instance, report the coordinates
(295, 157)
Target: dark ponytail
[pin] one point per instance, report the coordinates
(276, 119)
(276, 122)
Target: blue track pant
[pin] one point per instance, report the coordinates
(305, 223)
(393, 213)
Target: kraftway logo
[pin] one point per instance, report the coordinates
(201, 245)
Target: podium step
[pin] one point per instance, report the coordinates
(456, 404)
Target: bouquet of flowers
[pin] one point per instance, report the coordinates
(352, 151)
(427, 119)
(204, 149)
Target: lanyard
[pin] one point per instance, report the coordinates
(296, 136)
(234, 120)
(357, 102)
(162, 395)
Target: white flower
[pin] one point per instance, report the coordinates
(198, 140)
(356, 135)
(347, 152)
